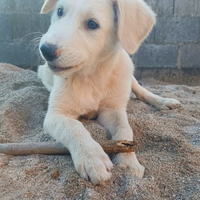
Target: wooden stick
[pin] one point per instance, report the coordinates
(54, 148)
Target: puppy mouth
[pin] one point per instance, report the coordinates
(55, 68)
(58, 69)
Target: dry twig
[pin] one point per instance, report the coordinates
(53, 148)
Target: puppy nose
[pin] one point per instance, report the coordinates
(49, 52)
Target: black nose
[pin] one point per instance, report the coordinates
(49, 52)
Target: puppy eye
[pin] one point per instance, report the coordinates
(60, 12)
(92, 25)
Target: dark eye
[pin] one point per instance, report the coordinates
(60, 12)
(92, 25)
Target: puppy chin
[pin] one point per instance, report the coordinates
(57, 69)
(64, 71)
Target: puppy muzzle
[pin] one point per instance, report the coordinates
(50, 52)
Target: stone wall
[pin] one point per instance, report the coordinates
(174, 42)
(20, 24)
(172, 50)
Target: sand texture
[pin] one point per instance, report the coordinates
(168, 147)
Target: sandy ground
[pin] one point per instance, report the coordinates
(168, 147)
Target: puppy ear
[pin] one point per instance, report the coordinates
(47, 6)
(135, 21)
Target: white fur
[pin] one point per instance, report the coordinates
(99, 80)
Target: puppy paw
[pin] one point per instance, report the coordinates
(168, 103)
(129, 160)
(93, 164)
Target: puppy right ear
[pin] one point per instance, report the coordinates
(136, 20)
(47, 6)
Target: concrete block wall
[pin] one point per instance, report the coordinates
(174, 43)
(20, 24)
(175, 40)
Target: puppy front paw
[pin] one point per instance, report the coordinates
(129, 160)
(93, 164)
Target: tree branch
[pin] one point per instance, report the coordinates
(54, 148)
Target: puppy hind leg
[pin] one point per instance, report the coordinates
(116, 122)
(150, 98)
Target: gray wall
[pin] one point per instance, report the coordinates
(174, 42)
(20, 24)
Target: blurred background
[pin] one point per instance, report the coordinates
(171, 53)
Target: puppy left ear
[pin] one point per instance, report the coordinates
(135, 21)
(47, 6)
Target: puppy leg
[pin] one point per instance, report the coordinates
(90, 161)
(116, 122)
(150, 98)
(45, 74)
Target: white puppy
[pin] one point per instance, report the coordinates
(89, 73)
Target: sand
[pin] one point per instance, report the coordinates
(168, 146)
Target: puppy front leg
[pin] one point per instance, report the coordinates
(116, 122)
(90, 161)
(46, 75)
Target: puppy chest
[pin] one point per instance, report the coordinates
(86, 103)
(78, 102)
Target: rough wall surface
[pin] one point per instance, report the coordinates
(175, 40)
(174, 43)
(20, 24)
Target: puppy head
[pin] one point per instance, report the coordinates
(84, 33)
